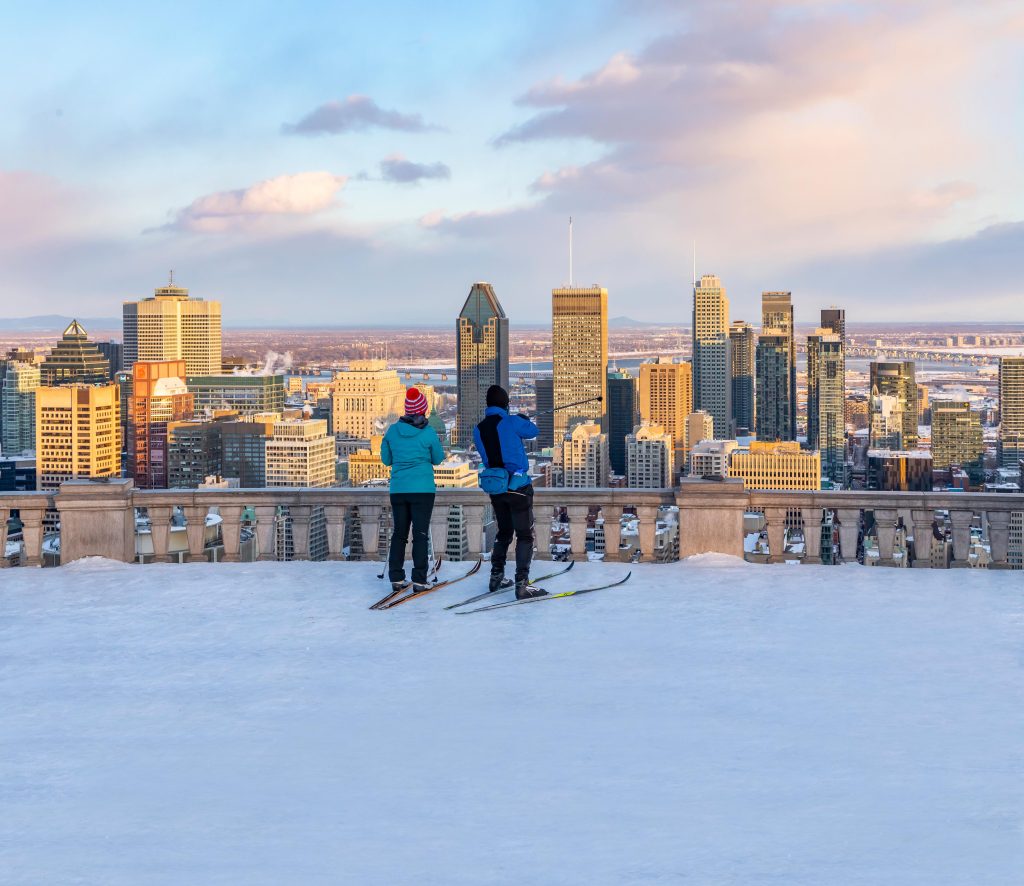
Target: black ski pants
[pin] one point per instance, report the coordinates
(410, 509)
(513, 512)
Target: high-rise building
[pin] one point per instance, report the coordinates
(15, 355)
(585, 457)
(743, 345)
(579, 345)
(18, 407)
(709, 459)
(481, 358)
(1011, 411)
(892, 409)
(776, 465)
(244, 449)
(113, 351)
(244, 394)
(622, 417)
(777, 319)
(365, 399)
(712, 354)
(78, 433)
(893, 470)
(650, 454)
(545, 389)
(194, 452)
(826, 401)
(74, 360)
(957, 437)
(300, 454)
(774, 392)
(172, 326)
(699, 426)
(666, 399)
(834, 319)
(365, 465)
(159, 397)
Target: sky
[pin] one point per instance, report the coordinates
(356, 163)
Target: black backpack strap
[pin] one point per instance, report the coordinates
(488, 429)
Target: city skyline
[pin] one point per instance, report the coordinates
(290, 170)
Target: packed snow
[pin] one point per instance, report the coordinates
(709, 722)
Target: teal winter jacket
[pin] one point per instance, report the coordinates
(411, 449)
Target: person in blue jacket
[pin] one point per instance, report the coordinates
(499, 440)
(411, 449)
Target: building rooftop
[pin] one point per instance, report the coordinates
(256, 723)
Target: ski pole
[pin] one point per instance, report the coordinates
(570, 405)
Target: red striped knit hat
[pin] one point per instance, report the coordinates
(415, 402)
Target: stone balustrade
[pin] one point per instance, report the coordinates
(98, 519)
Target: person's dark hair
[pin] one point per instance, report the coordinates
(497, 396)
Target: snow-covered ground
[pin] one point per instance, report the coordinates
(707, 723)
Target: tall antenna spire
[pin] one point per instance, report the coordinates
(171, 281)
(570, 250)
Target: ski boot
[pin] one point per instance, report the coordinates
(525, 590)
(498, 582)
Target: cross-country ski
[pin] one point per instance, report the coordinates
(413, 595)
(488, 594)
(574, 593)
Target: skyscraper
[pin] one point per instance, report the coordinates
(622, 416)
(957, 437)
(481, 358)
(892, 408)
(1011, 410)
(649, 458)
(774, 392)
(742, 343)
(18, 407)
(834, 319)
(712, 354)
(545, 391)
(777, 318)
(579, 345)
(666, 399)
(300, 454)
(365, 398)
(78, 433)
(159, 397)
(826, 401)
(172, 326)
(585, 457)
(74, 359)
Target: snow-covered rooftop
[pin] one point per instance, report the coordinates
(709, 722)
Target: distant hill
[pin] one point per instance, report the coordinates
(627, 322)
(58, 322)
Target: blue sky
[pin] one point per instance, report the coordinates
(360, 163)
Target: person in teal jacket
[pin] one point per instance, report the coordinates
(411, 449)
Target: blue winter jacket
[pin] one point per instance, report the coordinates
(411, 449)
(512, 430)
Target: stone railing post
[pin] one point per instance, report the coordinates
(647, 520)
(97, 519)
(369, 524)
(885, 527)
(231, 532)
(266, 531)
(195, 531)
(612, 515)
(578, 531)
(849, 529)
(711, 517)
(812, 535)
(299, 515)
(776, 519)
(32, 535)
(998, 538)
(439, 529)
(474, 528)
(335, 517)
(961, 522)
(922, 521)
(160, 531)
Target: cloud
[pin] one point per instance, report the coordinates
(397, 169)
(304, 193)
(357, 113)
(34, 207)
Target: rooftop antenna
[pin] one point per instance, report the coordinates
(171, 282)
(570, 251)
